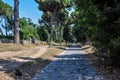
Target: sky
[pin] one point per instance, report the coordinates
(27, 8)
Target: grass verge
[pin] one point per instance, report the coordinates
(13, 47)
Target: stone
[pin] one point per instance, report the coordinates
(73, 64)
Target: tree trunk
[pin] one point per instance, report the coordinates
(66, 43)
(61, 35)
(1, 32)
(51, 32)
(16, 22)
(6, 28)
(0, 19)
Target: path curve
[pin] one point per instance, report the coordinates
(72, 64)
(11, 60)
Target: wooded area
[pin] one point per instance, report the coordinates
(69, 21)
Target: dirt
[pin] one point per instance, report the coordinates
(32, 68)
(9, 61)
(29, 62)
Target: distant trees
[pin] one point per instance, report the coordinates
(97, 21)
(52, 7)
(43, 33)
(28, 29)
(12, 24)
(62, 21)
(67, 34)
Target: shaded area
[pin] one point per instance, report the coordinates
(29, 69)
(25, 58)
(8, 65)
(75, 47)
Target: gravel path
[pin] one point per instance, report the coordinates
(72, 64)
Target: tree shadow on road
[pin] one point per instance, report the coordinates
(29, 69)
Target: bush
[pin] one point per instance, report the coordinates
(43, 33)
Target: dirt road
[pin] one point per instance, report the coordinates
(11, 60)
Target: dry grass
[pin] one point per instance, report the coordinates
(4, 76)
(88, 48)
(54, 51)
(13, 47)
(29, 69)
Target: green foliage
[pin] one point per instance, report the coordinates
(27, 29)
(53, 11)
(53, 5)
(79, 33)
(99, 21)
(5, 9)
(67, 34)
(43, 33)
(6, 13)
(86, 18)
(10, 23)
(109, 30)
(46, 17)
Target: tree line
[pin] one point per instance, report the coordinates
(17, 28)
(96, 21)
(23, 28)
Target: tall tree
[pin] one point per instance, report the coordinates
(67, 34)
(16, 22)
(52, 6)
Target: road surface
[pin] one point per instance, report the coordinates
(72, 64)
